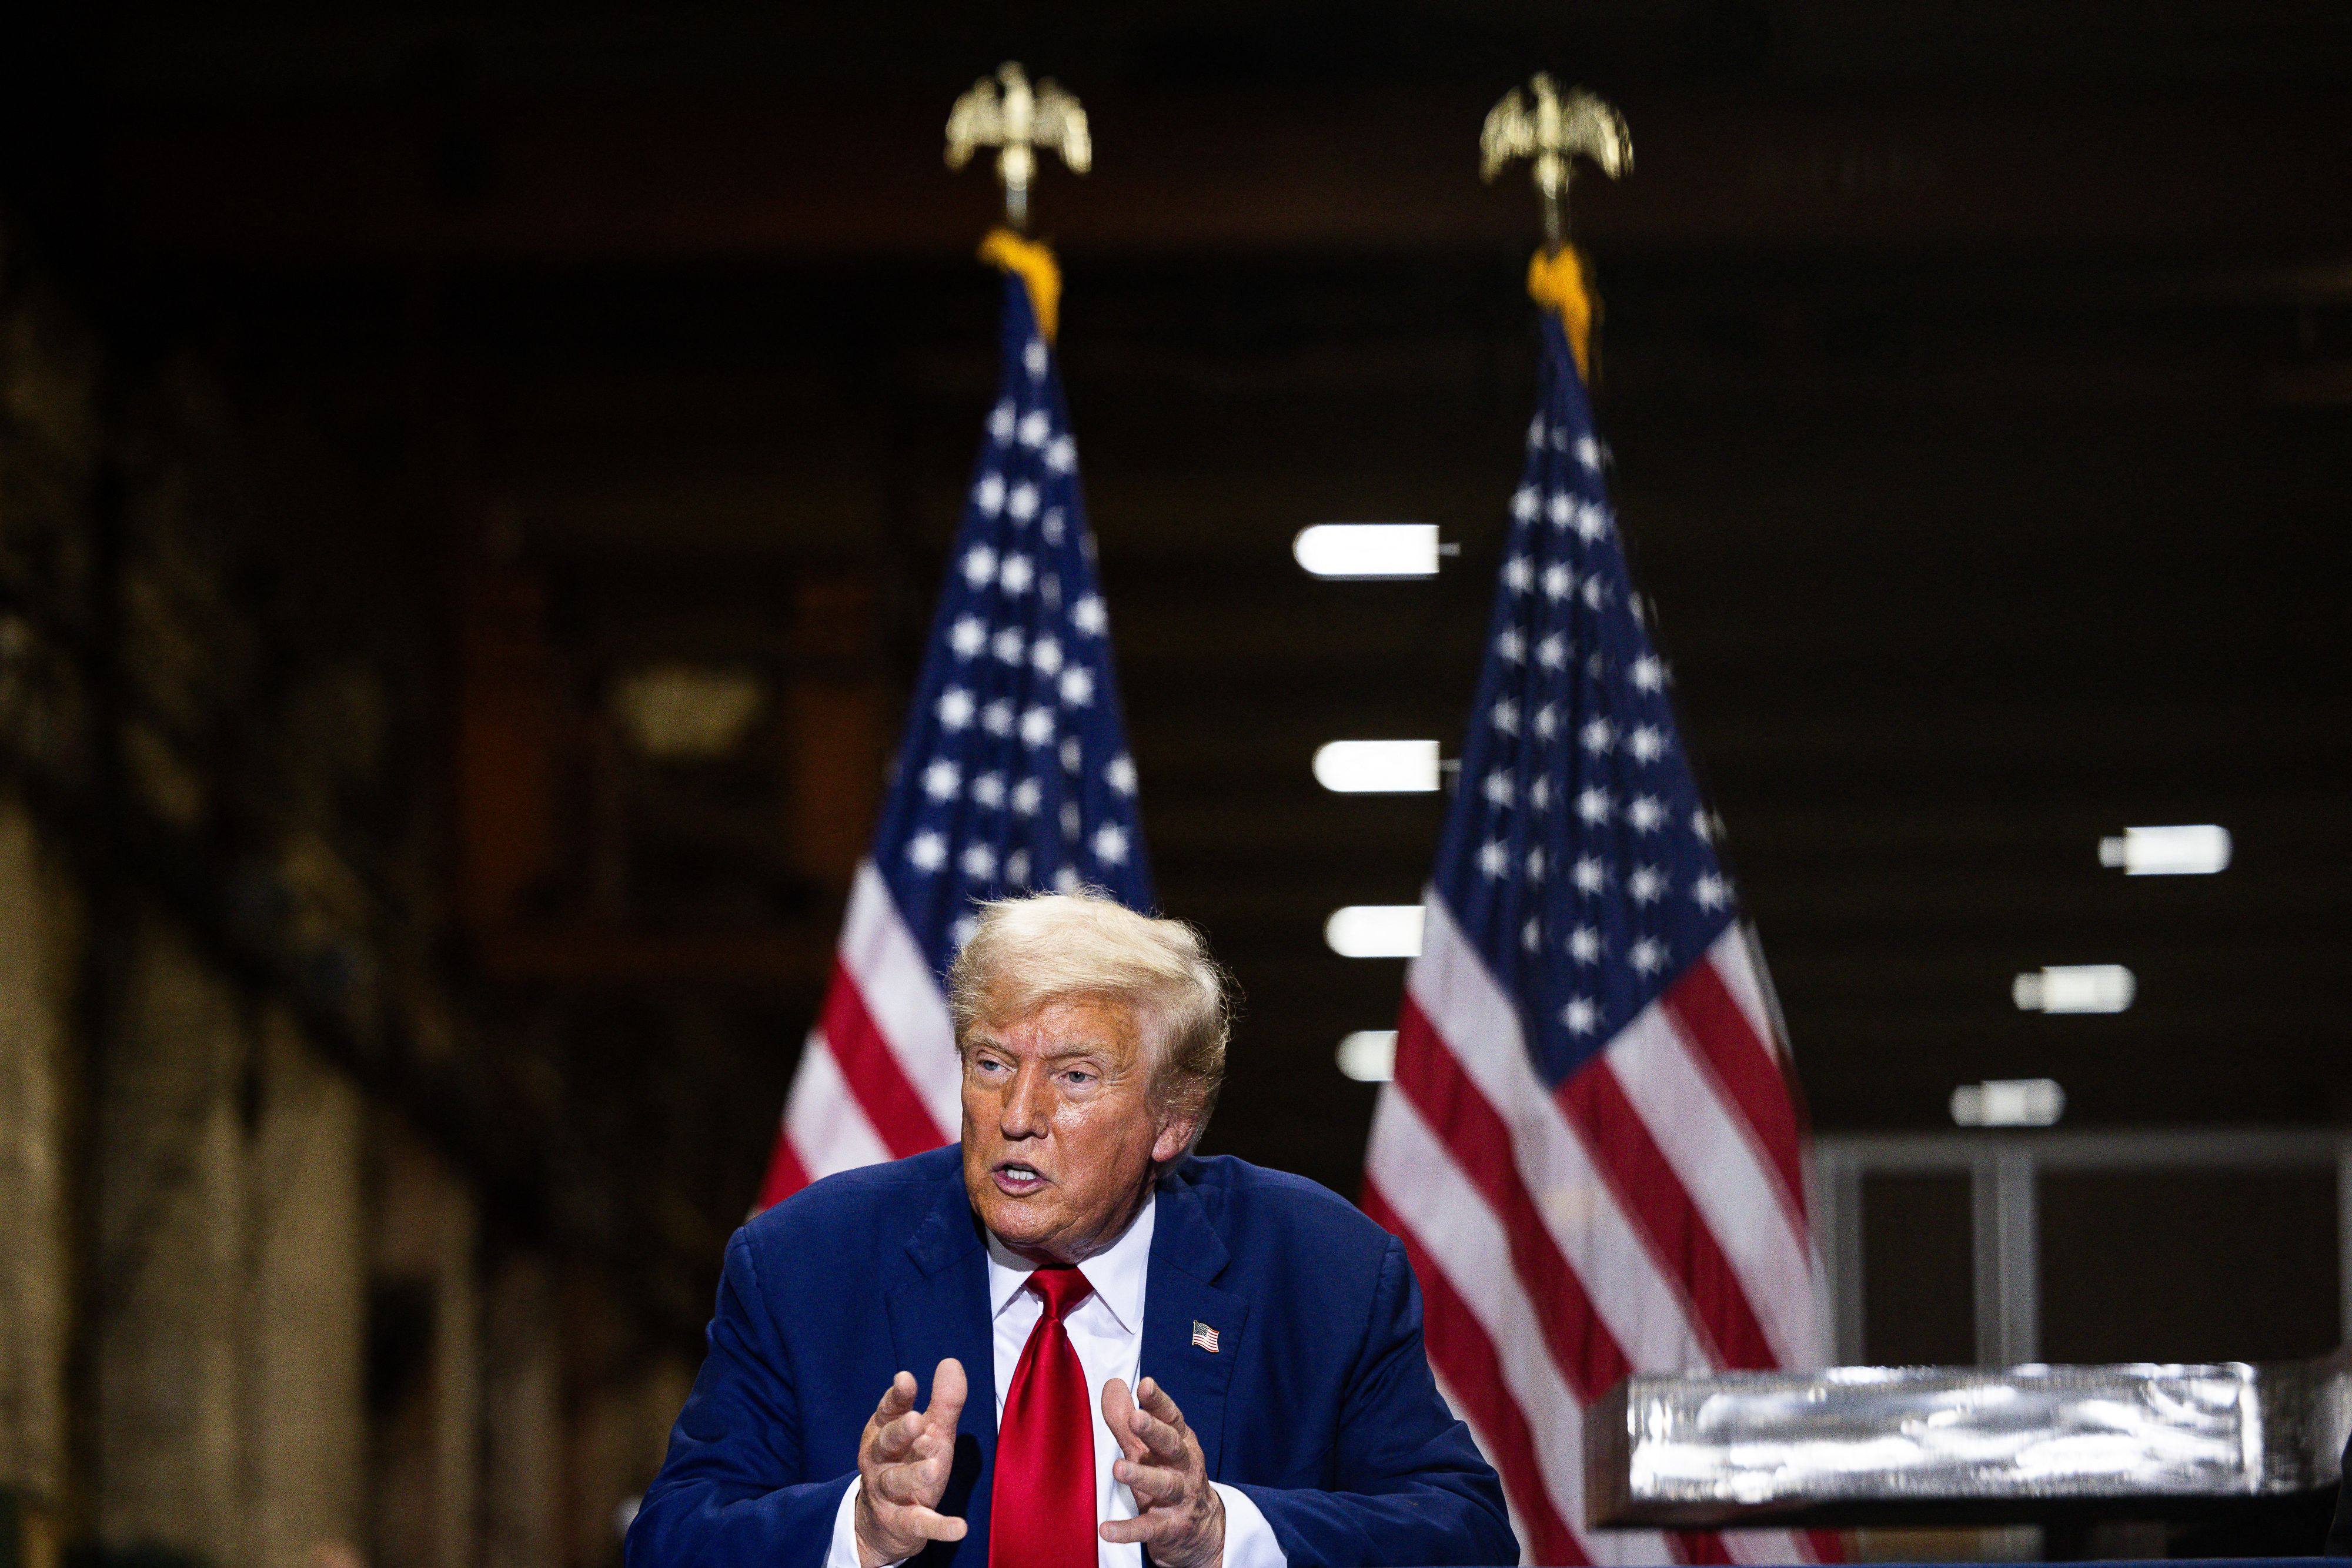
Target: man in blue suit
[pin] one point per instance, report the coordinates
(1131, 1349)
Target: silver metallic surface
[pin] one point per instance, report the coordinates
(1858, 1444)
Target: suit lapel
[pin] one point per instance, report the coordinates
(1187, 1256)
(942, 1310)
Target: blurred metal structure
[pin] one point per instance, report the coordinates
(2004, 1172)
(2012, 1441)
(1927, 1445)
(1006, 113)
(1551, 131)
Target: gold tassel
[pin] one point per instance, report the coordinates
(1556, 282)
(1033, 262)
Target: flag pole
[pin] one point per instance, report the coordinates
(1006, 112)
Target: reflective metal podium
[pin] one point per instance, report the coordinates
(1886, 1446)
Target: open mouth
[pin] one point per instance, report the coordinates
(1015, 1178)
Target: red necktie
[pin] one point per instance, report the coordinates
(1042, 1512)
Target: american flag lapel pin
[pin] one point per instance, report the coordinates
(1204, 1336)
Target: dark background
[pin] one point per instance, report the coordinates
(1979, 379)
(1976, 377)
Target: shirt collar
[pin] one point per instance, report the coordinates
(1117, 1272)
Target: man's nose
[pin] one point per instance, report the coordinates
(1026, 1111)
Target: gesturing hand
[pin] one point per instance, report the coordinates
(902, 1468)
(1180, 1518)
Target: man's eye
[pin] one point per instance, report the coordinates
(1078, 1075)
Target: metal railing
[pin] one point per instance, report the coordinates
(2004, 1170)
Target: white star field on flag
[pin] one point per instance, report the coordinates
(1014, 747)
(1574, 710)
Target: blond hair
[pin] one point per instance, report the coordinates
(1028, 951)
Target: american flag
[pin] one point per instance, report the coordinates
(1013, 775)
(1591, 1147)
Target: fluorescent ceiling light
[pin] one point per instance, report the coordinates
(2075, 988)
(2009, 1102)
(2197, 849)
(1377, 767)
(1368, 550)
(1368, 1055)
(1375, 931)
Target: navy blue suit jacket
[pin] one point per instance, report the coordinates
(1318, 1401)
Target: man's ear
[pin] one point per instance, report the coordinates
(1174, 1137)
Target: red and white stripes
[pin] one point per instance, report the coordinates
(1647, 1215)
(879, 1077)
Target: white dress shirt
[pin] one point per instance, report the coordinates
(1106, 1331)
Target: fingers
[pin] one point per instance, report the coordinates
(896, 1399)
(1161, 1466)
(891, 1431)
(1160, 1442)
(912, 1520)
(1151, 1484)
(898, 1485)
(1154, 1398)
(895, 1441)
(949, 1391)
(1157, 1425)
(915, 1478)
(1144, 1527)
(895, 1515)
(1118, 1415)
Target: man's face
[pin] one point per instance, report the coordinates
(1060, 1138)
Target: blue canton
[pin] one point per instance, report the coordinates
(1013, 774)
(1577, 857)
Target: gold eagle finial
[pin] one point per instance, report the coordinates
(1552, 131)
(1004, 112)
